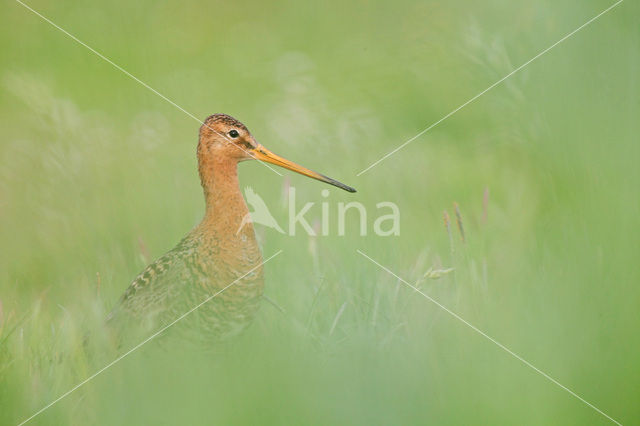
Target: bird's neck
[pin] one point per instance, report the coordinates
(225, 206)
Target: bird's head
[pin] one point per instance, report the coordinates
(223, 137)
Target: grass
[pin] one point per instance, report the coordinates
(98, 177)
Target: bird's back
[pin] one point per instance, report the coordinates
(192, 286)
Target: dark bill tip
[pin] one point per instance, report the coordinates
(339, 184)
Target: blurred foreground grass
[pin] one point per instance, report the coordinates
(98, 177)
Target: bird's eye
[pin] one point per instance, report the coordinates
(234, 133)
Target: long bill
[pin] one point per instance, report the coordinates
(263, 154)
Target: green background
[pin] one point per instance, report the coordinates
(98, 177)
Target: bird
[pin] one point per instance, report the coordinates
(219, 257)
(261, 213)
